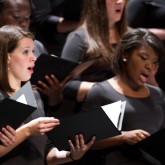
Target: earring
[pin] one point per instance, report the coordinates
(124, 59)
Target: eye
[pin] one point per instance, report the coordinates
(27, 17)
(16, 17)
(144, 57)
(155, 62)
(25, 52)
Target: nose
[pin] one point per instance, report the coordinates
(33, 57)
(119, 1)
(150, 66)
(24, 24)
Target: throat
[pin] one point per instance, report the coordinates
(129, 89)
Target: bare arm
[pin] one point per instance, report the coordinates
(129, 137)
(83, 90)
(35, 127)
(158, 32)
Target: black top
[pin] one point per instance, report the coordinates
(146, 13)
(46, 14)
(34, 149)
(146, 113)
(75, 50)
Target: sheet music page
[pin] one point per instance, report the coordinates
(22, 99)
(114, 111)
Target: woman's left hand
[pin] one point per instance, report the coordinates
(80, 148)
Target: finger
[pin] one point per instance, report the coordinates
(146, 134)
(49, 127)
(77, 141)
(81, 140)
(71, 145)
(91, 142)
(9, 132)
(49, 120)
(12, 131)
(49, 80)
(5, 140)
(42, 84)
(55, 80)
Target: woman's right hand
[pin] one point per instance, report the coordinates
(7, 136)
(134, 136)
(41, 125)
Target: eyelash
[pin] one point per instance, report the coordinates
(144, 57)
(18, 17)
(26, 52)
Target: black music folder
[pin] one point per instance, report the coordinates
(15, 110)
(94, 122)
(154, 145)
(61, 68)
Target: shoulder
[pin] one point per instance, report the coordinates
(75, 45)
(100, 90)
(39, 101)
(156, 91)
(78, 33)
(97, 96)
(37, 96)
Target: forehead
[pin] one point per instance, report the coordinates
(25, 43)
(17, 5)
(146, 49)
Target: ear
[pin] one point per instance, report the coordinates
(125, 57)
(8, 58)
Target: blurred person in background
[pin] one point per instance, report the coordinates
(52, 20)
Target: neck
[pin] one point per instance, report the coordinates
(128, 88)
(113, 35)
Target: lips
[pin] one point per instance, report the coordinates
(118, 10)
(144, 77)
(30, 69)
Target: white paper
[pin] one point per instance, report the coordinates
(115, 112)
(22, 99)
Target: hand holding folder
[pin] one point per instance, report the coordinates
(61, 68)
(14, 110)
(94, 122)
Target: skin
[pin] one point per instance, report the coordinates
(17, 12)
(114, 10)
(20, 68)
(144, 61)
(114, 14)
(7, 136)
(22, 58)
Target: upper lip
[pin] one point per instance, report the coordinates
(146, 74)
(31, 67)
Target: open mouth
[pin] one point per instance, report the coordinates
(144, 77)
(118, 10)
(30, 68)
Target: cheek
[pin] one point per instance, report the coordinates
(9, 20)
(16, 63)
(133, 67)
